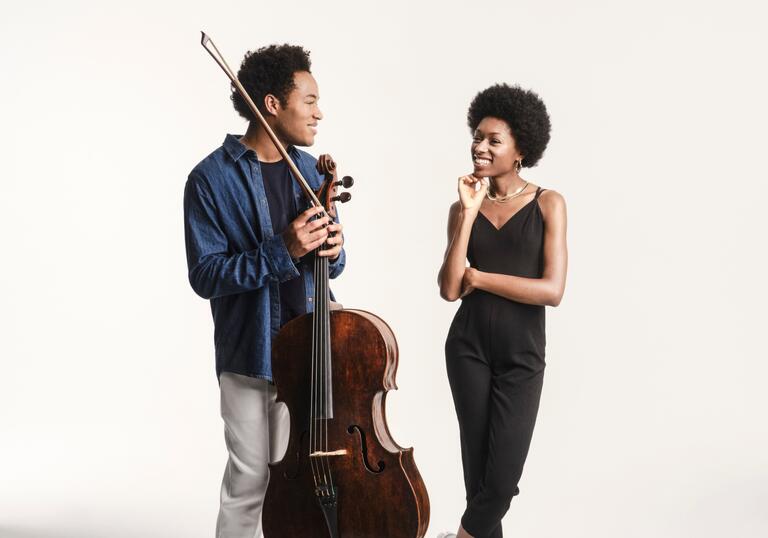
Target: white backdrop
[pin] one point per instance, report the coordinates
(652, 420)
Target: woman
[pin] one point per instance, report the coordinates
(513, 234)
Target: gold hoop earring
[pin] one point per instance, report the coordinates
(519, 165)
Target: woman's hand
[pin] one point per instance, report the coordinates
(470, 196)
(469, 282)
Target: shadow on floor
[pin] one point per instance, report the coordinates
(27, 532)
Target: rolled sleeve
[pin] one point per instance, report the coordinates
(336, 266)
(279, 259)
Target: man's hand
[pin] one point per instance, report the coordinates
(303, 236)
(335, 242)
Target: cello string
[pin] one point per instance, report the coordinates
(327, 328)
(321, 367)
(318, 330)
(313, 395)
(326, 361)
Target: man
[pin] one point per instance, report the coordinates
(248, 236)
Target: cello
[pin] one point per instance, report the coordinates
(342, 475)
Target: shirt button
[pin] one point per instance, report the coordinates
(309, 299)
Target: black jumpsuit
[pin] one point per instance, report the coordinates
(495, 360)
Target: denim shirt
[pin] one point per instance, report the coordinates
(235, 258)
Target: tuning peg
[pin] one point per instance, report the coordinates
(343, 197)
(345, 182)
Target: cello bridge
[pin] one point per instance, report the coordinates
(320, 454)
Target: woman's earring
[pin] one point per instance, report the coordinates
(519, 165)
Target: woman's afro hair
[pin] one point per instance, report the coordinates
(524, 112)
(269, 70)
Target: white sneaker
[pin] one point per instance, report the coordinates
(446, 535)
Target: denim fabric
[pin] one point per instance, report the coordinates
(236, 260)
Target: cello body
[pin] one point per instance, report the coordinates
(379, 491)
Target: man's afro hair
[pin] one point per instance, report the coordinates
(269, 70)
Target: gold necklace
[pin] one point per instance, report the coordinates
(506, 197)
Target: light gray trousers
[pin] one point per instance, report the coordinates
(256, 431)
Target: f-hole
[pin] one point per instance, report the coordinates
(364, 449)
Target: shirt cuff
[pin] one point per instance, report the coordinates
(279, 259)
(336, 266)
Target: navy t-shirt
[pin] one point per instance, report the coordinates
(278, 184)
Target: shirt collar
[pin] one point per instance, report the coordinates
(237, 149)
(234, 147)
